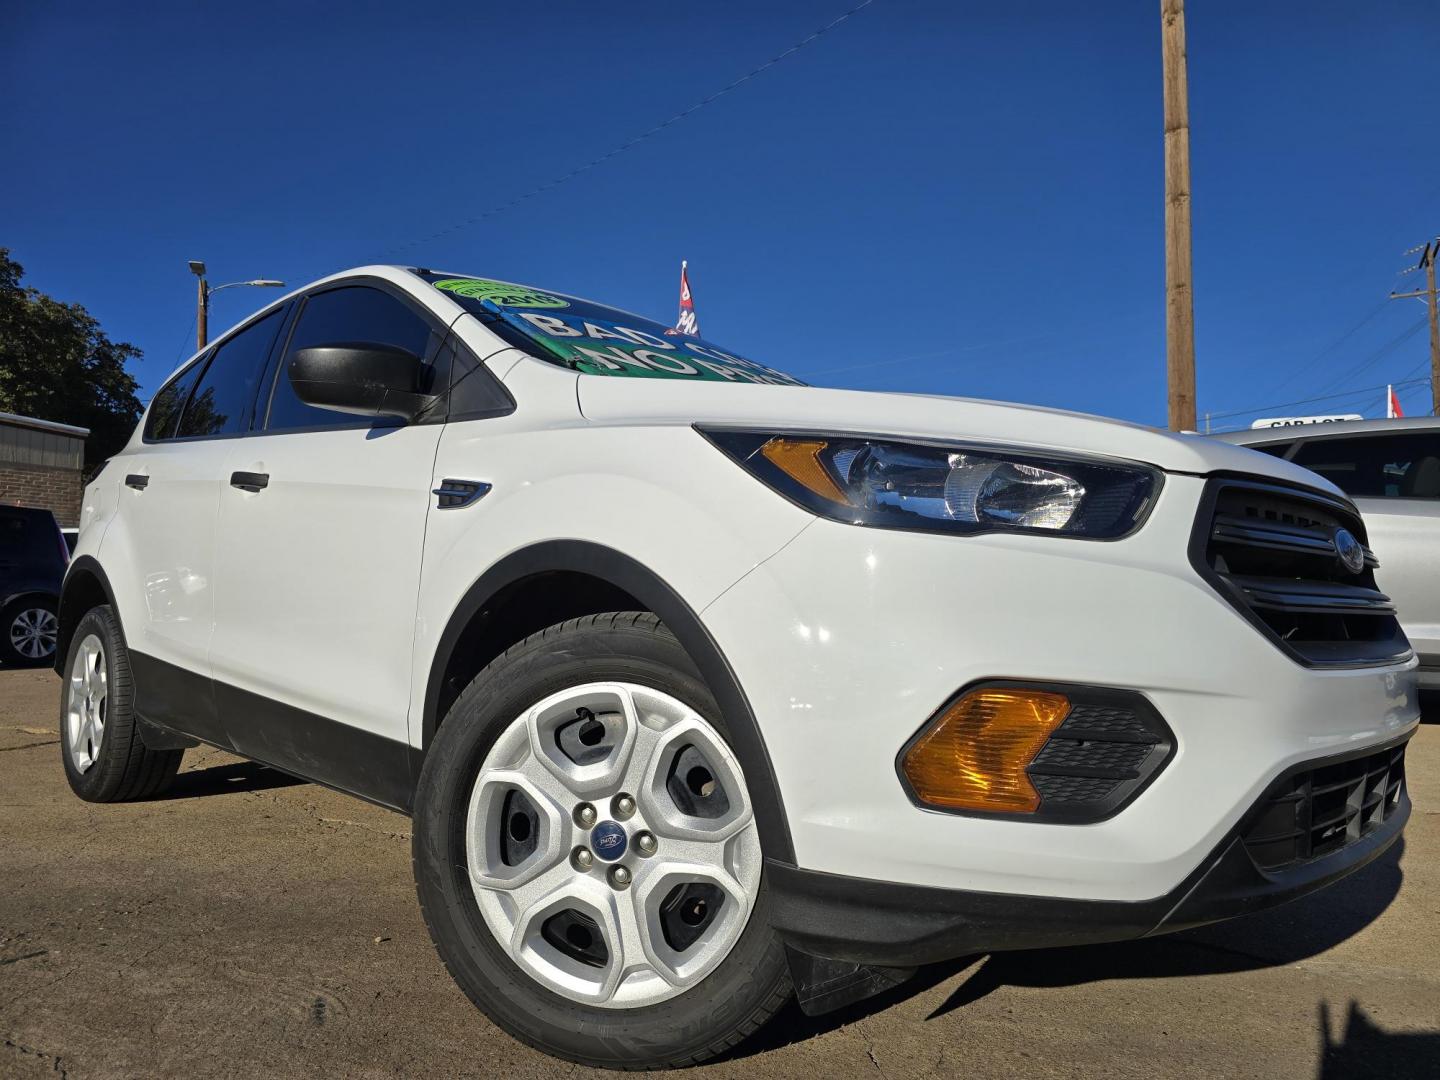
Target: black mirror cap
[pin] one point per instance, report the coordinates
(362, 378)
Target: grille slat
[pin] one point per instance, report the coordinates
(1271, 551)
(1322, 810)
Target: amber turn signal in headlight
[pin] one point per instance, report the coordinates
(973, 755)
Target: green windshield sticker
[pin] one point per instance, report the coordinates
(501, 292)
(598, 346)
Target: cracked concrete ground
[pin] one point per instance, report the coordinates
(248, 925)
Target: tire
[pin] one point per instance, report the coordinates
(749, 979)
(28, 631)
(105, 759)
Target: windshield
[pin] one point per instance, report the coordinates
(598, 340)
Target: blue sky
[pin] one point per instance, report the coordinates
(944, 197)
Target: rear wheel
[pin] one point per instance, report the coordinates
(105, 758)
(587, 856)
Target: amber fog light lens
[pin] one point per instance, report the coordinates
(973, 756)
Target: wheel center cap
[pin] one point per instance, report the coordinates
(608, 841)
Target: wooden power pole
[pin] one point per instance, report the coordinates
(1179, 296)
(202, 316)
(1427, 263)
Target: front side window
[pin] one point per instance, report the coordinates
(597, 340)
(353, 313)
(1395, 466)
(224, 396)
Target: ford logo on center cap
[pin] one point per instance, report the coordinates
(1352, 555)
(609, 841)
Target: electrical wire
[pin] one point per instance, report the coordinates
(1309, 401)
(1375, 357)
(637, 139)
(1346, 336)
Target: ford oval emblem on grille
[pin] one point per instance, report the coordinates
(1352, 555)
(609, 840)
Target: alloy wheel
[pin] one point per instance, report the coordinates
(86, 700)
(33, 633)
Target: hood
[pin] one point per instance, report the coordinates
(670, 401)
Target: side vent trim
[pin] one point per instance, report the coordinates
(454, 494)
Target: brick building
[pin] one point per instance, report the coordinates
(42, 464)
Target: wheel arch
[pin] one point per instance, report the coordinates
(631, 579)
(85, 586)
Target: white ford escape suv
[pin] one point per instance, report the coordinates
(702, 685)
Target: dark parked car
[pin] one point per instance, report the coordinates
(33, 557)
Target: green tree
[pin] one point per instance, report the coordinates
(57, 364)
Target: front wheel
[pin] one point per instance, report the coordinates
(587, 856)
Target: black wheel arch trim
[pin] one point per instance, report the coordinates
(81, 566)
(624, 572)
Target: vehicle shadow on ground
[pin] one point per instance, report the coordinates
(1275, 938)
(227, 780)
(1364, 1049)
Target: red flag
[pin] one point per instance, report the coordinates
(1393, 403)
(687, 323)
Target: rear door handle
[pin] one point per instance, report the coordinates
(250, 481)
(138, 481)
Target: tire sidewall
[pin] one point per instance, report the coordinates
(97, 783)
(653, 1034)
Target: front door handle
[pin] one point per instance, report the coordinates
(250, 481)
(138, 481)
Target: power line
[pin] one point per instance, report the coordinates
(1378, 355)
(1308, 401)
(1346, 336)
(636, 140)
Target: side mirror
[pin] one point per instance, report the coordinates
(360, 377)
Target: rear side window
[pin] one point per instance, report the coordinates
(354, 313)
(165, 409)
(1396, 466)
(223, 398)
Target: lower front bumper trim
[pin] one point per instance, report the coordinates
(863, 921)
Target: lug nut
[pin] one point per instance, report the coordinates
(585, 815)
(582, 858)
(620, 877)
(624, 805)
(645, 843)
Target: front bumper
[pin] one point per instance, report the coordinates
(849, 639)
(861, 921)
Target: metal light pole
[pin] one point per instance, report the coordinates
(202, 302)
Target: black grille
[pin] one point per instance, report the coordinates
(1319, 811)
(1271, 551)
(1073, 789)
(1108, 747)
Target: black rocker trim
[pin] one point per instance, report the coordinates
(177, 705)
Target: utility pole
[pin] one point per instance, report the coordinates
(1427, 263)
(202, 307)
(1179, 296)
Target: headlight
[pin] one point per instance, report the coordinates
(946, 488)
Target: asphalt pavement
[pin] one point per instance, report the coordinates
(249, 925)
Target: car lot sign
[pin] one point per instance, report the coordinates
(1302, 421)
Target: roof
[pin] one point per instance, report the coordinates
(1338, 427)
(43, 425)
